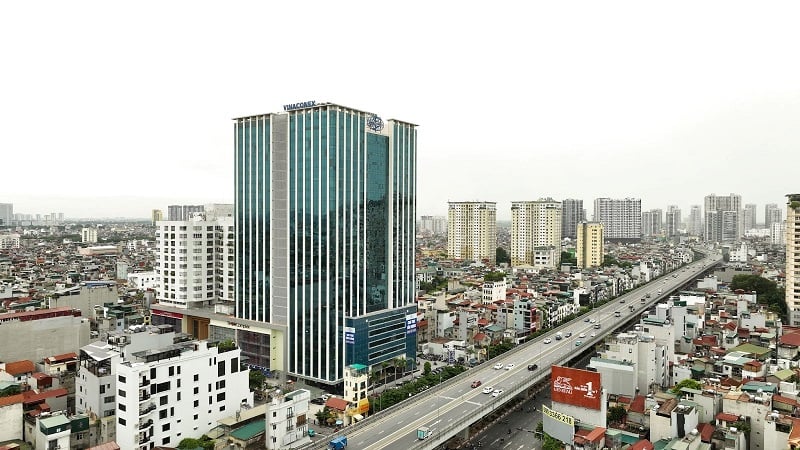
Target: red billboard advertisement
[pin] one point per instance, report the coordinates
(575, 387)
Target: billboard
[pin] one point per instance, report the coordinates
(558, 425)
(575, 387)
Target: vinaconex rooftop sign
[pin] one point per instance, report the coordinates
(293, 106)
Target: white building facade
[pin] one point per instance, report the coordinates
(536, 233)
(472, 231)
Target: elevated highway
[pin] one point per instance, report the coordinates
(449, 409)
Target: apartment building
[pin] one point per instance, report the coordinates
(536, 233)
(621, 218)
(695, 224)
(772, 214)
(472, 231)
(178, 391)
(89, 235)
(793, 258)
(589, 248)
(672, 221)
(572, 213)
(652, 223)
(723, 218)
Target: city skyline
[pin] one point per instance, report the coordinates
(575, 102)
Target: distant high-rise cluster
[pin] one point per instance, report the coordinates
(772, 214)
(9, 218)
(433, 224)
(536, 233)
(723, 218)
(621, 218)
(572, 213)
(652, 223)
(6, 214)
(695, 225)
(749, 216)
(182, 212)
(472, 231)
(672, 221)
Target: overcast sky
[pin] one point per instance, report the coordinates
(112, 109)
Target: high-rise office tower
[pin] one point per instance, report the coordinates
(589, 248)
(772, 214)
(652, 222)
(182, 212)
(792, 255)
(572, 213)
(695, 225)
(621, 218)
(536, 233)
(472, 231)
(6, 214)
(325, 228)
(672, 221)
(749, 216)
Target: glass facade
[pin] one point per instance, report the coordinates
(325, 229)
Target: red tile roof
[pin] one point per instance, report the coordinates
(706, 430)
(785, 400)
(596, 434)
(727, 417)
(792, 339)
(479, 337)
(11, 400)
(64, 357)
(20, 367)
(33, 397)
(107, 446)
(637, 405)
(794, 435)
(337, 403)
(644, 444)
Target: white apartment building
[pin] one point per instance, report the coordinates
(472, 231)
(793, 259)
(287, 420)
(672, 221)
(536, 233)
(777, 233)
(631, 364)
(621, 218)
(749, 220)
(572, 213)
(178, 391)
(143, 280)
(589, 247)
(433, 224)
(195, 262)
(494, 291)
(9, 241)
(89, 235)
(695, 222)
(772, 214)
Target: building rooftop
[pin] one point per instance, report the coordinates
(249, 431)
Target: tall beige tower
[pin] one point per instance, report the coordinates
(589, 247)
(536, 233)
(472, 231)
(792, 253)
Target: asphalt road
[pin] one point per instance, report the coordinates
(456, 405)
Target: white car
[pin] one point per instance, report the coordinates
(497, 392)
(547, 340)
(593, 334)
(498, 366)
(488, 390)
(582, 335)
(509, 366)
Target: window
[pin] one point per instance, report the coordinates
(162, 414)
(196, 390)
(165, 427)
(196, 377)
(121, 379)
(122, 407)
(196, 404)
(220, 396)
(102, 388)
(165, 441)
(121, 393)
(172, 371)
(109, 399)
(163, 400)
(196, 416)
(221, 369)
(121, 421)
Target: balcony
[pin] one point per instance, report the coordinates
(144, 382)
(144, 396)
(147, 409)
(143, 425)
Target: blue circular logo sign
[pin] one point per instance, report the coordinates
(375, 123)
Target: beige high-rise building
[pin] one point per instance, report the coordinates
(793, 253)
(472, 231)
(589, 248)
(158, 216)
(536, 233)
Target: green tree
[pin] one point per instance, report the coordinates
(494, 276)
(687, 383)
(427, 368)
(616, 414)
(257, 380)
(226, 346)
(502, 256)
(568, 258)
(205, 442)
